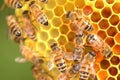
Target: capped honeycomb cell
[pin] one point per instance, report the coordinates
(95, 17)
(69, 6)
(79, 3)
(106, 12)
(109, 1)
(54, 33)
(87, 10)
(102, 34)
(118, 77)
(116, 7)
(58, 10)
(61, 2)
(62, 40)
(103, 24)
(69, 46)
(56, 22)
(104, 64)
(114, 19)
(116, 49)
(115, 60)
(110, 41)
(71, 36)
(113, 71)
(111, 78)
(64, 29)
(112, 31)
(117, 37)
(99, 4)
(101, 73)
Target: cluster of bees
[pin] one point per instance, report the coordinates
(83, 62)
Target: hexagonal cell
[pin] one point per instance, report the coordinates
(101, 73)
(97, 67)
(71, 36)
(115, 60)
(114, 19)
(117, 37)
(79, 3)
(112, 31)
(113, 71)
(99, 4)
(103, 24)
(102, 34)
(54, 33)
(118, 77)
(95, 17)
(62, 40)
(61, 2)
(69, 6)
(44, 36)
(106, 12)
(41, 46)
(118, 27)
(58, 10)
(56, 22)
(87, 10)
(64, 19)
(116, 7)
(104, 64)
(64, 29)
(110, 41)
(73, 28)
(111, 78)
(110, 1)
(50, 42)
(69, 47)
(49, 14)
(51, 4)
(116, 49)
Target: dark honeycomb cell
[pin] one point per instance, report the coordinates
(116, 7)
(106, 12)
(116, 49)
(69, 6)
(117, 37)
(62, 40)
(111, 78)
(69, 46)
(99, 4)
(112, 31)
(104, 64)
(103, 24)
(110, 1)
(79, 3)
(95, 17)
(115, 60)
(58, 11)
(113, 71)
(102, 34)
(64, 29)
(114, 19)
(71, 36)
(118, 77)
(110, 41)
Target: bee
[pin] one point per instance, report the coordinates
(38, 14)
(14, 29)
(59, 58)
(44, 1)
(28, 27)
(79, 21)
(14, 3)
(99, 45)
(87, 66)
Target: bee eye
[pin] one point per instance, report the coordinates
(17, 33)
(19, 5)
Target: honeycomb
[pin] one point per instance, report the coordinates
(104, 15)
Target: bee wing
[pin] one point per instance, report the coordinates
(92, 72)
(20, 60)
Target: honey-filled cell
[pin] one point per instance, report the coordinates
(69, 6)
(87, 10)
(103, 24)
(110, 41)
(58, 10)
(95, 17)
(71, 36)
(116, 7)
(106, 12)
(118, 26)
(64, 29)
(105, 64)
(114, 19)
(56, 21)
(69, 47)
(62, 40)
(99, 4)
(113, 71)
(116, 49)
(101, 73)
(111, 31)
(54, 33)
(102, 34)
(117, 37)
(111, 78)
(61, 2)
(80, 3)
(115, 60)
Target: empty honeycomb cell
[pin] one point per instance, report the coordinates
(64, 29)
(111, 78)
(79, 3)
(87, 10)
(44, 36)
(101, 73)
(51, 4)
(116, 7)
(56, 22)
(118, 77)
(69, 6)
(114, 19)
(49, 14)
(102, 34)
(118, 27)
(110, 41)
(104, 64)
(62, 40)
(117, 37)
(103, 24)
(110, 1)
(95, 17)
(113, 71)
(115, 60)
(99, 4)
(54, 33)
(69, 47)
(116, 49)
(106, 12)
(64, 19)
(61, 2)
(71, 36)
(112, 31)
(58, 10)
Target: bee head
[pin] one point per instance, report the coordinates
(19, 5)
